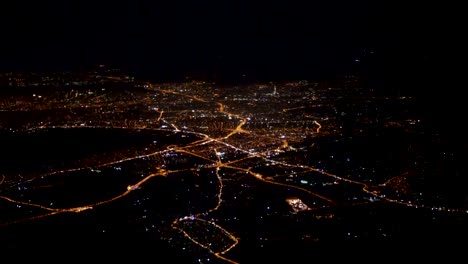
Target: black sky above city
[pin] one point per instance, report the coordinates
(388, 42)
(193, 34)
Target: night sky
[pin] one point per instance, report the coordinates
(388, 42)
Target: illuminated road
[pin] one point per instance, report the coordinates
(207, 148)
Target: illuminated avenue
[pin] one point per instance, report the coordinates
(267, 132)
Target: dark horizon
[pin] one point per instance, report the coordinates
(393, 47)
(227, 39)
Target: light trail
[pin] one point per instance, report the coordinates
(294, 108)
(160, 115)
(80, 209)
(197, 217)
(37, 217)
(319, 126)
(192, 154)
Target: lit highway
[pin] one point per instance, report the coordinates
(231, 138)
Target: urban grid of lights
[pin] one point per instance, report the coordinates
(168, 117)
